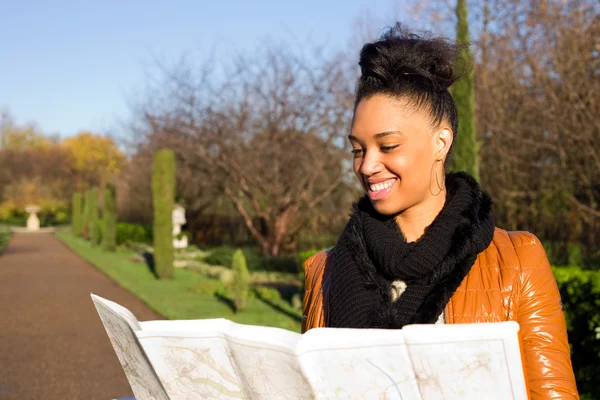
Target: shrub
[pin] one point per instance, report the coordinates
(286, 264)
(580, 295)
(305, 255)
(572, 253)
(223, 255)
(297, 301)
(268, 293)
(255, 261)
(85, 232)
(93, 218)
(241, 280)
(575, 254)
(76, 214)
(163, 197)
(134, 233)
(109, 231)
(52, 212)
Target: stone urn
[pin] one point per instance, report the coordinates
(33, 222)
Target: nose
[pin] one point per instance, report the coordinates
(370, 164)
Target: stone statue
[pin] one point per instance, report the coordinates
(178, 221)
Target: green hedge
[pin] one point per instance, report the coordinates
(85, 230)
(94, 229)
(565, 253)
(580, 295)
(51, 214)
(76, 211)
(135, 233)
(255, 261)
(109, 226)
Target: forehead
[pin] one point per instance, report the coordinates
(382, 113)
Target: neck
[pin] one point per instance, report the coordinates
(413, 221)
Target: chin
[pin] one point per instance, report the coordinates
(386, 207)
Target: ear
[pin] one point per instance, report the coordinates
(443, 141)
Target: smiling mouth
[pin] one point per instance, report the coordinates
(378, 191)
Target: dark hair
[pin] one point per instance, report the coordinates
(401, 64)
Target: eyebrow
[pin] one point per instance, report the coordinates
(377, 135)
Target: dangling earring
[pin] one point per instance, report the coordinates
(437, 181)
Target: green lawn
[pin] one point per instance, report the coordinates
(176, 298)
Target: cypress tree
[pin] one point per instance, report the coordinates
(76, 214)
(85, 223)
(465, 154)
(240, 280)
(109, 234)
(163, 198)
(93, 219)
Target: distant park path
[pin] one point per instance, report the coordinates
(52, 343)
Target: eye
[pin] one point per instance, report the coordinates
(356, 152)
(386, 149)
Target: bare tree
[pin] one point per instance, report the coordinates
(538, 95)
(537, 90)
(268, 139)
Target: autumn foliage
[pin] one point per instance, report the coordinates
(39, 169)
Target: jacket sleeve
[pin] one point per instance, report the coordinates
(312, 303)
(543, 327)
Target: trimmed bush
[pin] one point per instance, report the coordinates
(93, 218)
(297, 301)
(109, 231)
(580, 295)
(255, 261)
(85, 229)
(76, 214)
(465, 154)
(268, 294)
(222, 255)
(241, 280)
(163, 198)
(53, 212)
(133, 233)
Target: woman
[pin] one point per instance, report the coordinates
(421, 246)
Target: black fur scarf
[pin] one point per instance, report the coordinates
(372, 253)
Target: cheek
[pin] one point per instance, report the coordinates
(399, 165)
(413, 170)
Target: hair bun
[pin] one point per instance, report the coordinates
(402, 58)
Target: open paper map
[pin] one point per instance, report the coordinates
(219, 359)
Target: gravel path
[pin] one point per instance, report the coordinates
(52, 343)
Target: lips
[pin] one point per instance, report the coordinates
(379, 190)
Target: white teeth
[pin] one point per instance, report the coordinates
(381, 186)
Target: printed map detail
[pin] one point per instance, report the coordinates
(120, 324)
(218, 359)
(213, 367)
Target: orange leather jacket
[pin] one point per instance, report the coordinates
(510, 281)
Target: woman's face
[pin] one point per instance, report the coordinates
(395, 151)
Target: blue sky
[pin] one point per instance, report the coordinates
(75, 65)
